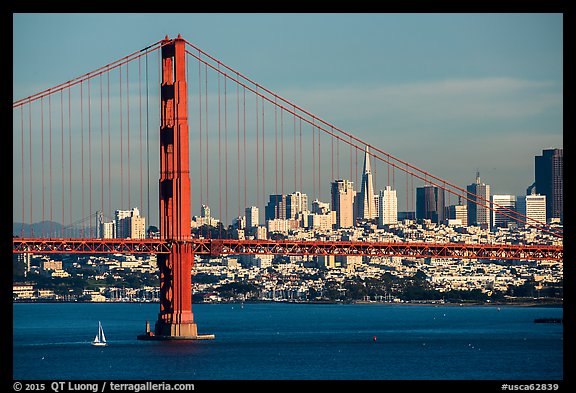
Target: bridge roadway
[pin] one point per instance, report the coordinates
(221, 247)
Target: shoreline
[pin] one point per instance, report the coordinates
(359, 302)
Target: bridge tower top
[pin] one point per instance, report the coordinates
(174, 144)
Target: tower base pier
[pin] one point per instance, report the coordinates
(173, 332)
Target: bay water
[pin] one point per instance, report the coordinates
(282, 341)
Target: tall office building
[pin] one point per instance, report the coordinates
(532, 209)
(121, 224)
(548, 176)
(430, 203)
(342, 192)
(276, 207)
(129, 224)
(457, 215)
(502, 216)
(388, 207)
(366, 207)
(137, 227)
(296, 204)
(252, 217)
(320, 207)
(479, 203)
(104, 230)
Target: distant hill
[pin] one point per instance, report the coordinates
(48, 229)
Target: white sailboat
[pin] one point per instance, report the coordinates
(100, 339)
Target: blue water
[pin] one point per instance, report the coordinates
(291, 341)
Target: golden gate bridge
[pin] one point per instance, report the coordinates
(85, 144)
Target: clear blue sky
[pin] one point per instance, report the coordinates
(449, 93)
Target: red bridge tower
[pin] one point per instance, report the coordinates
(175, 320)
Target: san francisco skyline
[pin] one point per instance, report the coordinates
(449, 93)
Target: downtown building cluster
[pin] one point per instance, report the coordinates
(348, 208)
(354, 217)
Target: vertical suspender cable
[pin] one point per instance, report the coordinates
(109, 145)
(282, 149)
(140, 127)
(412, 192)
(388, 167)
(30, 159)
(61, 158)
(356, 171)
(263, 160)
(121, 145)
(147, 144)
(393, 179)
(219, 161)
(50, 157)
(294, 130)
(206, 129)
(337, 157)
(89, 159)
(42, 156)
(319, 177)
(226, 152)
(257, 155)
(407, 194)
(200, 128)
(238, 147)
(332, 157)
(244, 131)
(101, 149)
(350, 143)
(276, 143)
(314, 159)
(301, 155)
(128, 135)
(69, 159)
(82, 153)
(22, 169)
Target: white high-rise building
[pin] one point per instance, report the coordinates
(388, 212)
(343, 194)
(296, 203)
(532, 209)
(501, 206)
(129, 224)
(366, 207)
(252, 214)
(107, 230)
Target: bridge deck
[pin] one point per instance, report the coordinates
(219, 247)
